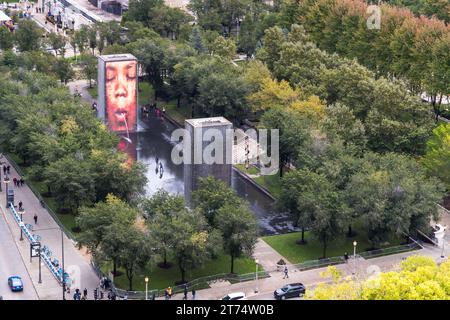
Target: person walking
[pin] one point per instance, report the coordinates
(21, 182)
(4, 170)
(185, 292)
(15, 182)
(85, 292)
(166, 293)
(20, 205)
(286, 275)
(193, 294)
(35, 218)
(170, 292)
(8, 168)
(346, 257)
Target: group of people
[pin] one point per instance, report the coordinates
(169, 292)
(18, 182)
(6, 169)
(159, 168)
(145, 110)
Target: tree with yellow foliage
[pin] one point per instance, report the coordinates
(419, 278)
(275, 93)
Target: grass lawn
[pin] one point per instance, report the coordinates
(93, 92)
(146, 93)
(286, 245)
(162, 278)
(178, 114)
(250, 170)
(271, 183)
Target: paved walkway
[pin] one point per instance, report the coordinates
(77, 264)
(267, 256)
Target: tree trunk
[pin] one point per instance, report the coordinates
(349, 230)
(165, 258)
(114, 267)
(183, 273)
(130, 279)
(303, 235)
(324, 248)
(178, 101)
(232, 263)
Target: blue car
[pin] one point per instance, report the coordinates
(15, 283)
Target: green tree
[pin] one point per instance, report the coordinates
(225, 48)
(6, 39)
(436, 160)
(63, 69)
(93, 221)
(194, 243)
(211, 195)
(393, 195)
(57, 42)
(135, 253)
(89, 64)
(70, 182)
(28, 36)
(238, 226)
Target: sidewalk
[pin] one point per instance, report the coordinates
(77, 265)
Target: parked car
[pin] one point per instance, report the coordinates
(235, 296)
(290, 291)
(15, 283)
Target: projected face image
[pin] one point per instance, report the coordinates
(120, 88)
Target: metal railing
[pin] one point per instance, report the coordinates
(41, 200)
(388, 251)
(197, 284)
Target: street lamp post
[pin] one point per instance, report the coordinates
(21, 212)
(6, 189)
(256, 275)
(146, 288)
(354, 256)
(40, 262)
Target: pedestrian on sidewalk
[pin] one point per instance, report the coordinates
(185, 292)
(4, 170)
(15, 182)
(85, 292)
(346, 257)
(193, 294)
(20, 205)
(21, 182)
(286, 275)
(35, 218)
(170, 292)
(166, 293)
(8, 168)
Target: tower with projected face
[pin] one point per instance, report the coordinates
(117, 91)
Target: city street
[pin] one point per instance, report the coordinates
(11, 264)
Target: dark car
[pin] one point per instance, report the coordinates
(290, 291)
(15, 283)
